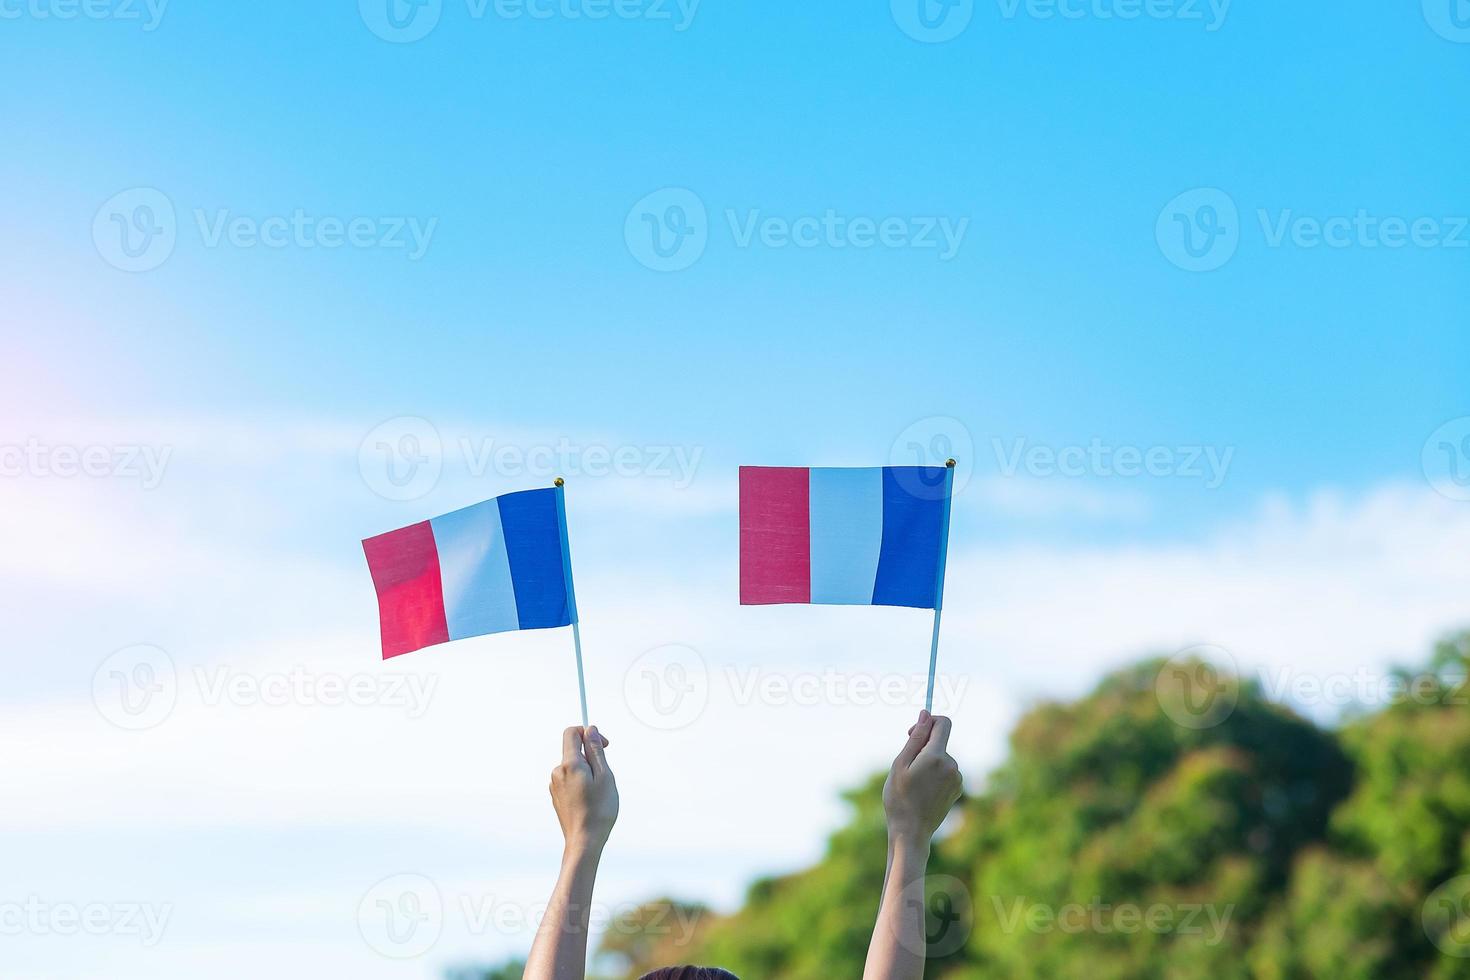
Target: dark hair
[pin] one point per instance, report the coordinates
(690, 973)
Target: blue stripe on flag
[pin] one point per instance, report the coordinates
(908, 561)
(846, 506)
(475, 570)
(533, 545)
(566, 553)
(943, 539)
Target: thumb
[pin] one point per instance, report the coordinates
(595, 746)
(918, 737)
(571, 746)
(938, 743)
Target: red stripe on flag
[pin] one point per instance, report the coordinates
(405, 569)
(775, 535)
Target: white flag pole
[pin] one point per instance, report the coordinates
(581, 681)
(566, 565)
(939, 584)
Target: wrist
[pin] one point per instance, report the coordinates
(583, 848)
(909, 841)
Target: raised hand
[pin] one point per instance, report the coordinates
(585, 797)
(924, 781)
(583, 790)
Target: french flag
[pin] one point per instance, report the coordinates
(844, 536)
(502, 564)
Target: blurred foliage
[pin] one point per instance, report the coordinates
(510, 970)
(814, 924)
(654, 932)
(1366, 906)
(1123, 838)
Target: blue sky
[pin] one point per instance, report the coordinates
(1065, 155)
(1060, 141)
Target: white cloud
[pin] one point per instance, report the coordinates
(1330, 585)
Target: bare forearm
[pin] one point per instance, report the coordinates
(560, 949)
(898, 946)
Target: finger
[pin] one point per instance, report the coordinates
(571, 746)
(595, 744)
(938, 736)
(918, 735)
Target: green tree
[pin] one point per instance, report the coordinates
(1361, 909)
(1117, 841)
(655, 934)
(813, 925)
(1145, 831)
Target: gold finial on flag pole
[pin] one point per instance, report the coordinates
(949, 462)
(561, 483)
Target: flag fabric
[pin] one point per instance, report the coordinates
(502, 564)
(843, 536)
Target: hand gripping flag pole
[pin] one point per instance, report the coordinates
(566, 564)
(949, 465)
